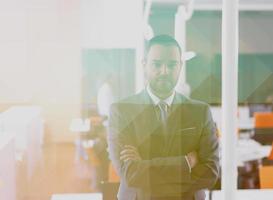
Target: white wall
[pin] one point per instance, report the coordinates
(114, 24)
(40, 59)
(40, 51)
(111, 23)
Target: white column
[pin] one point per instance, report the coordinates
(140, 79)
(181, 18)
(180, 36)
(229, 97)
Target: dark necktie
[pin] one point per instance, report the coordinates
(163, 107)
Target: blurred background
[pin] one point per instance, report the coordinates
(63, 62)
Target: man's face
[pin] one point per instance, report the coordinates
(162, 68)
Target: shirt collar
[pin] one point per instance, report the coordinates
(156, 100)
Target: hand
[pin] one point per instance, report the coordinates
(192, 158)
(129, 153)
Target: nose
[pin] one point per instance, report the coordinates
(164, 69)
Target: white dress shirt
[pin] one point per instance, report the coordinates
(156, 100)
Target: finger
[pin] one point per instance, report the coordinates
(128, 152)
(123, 158)
(132, 154)
(129, 155)
(130, 147)
(126, 160)
(131, 159)
(125, 151)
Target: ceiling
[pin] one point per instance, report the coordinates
(213, 1)
(217, 4)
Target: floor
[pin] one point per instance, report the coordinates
(58, 172)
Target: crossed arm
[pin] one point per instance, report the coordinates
(130, 153)
(165, 173)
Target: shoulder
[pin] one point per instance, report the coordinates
(129, 107)
(133, 99)
(129, 102)
(191, 102)
(197, 109)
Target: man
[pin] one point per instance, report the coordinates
(106, 96)
(162, 144)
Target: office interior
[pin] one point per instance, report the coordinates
(60, 60)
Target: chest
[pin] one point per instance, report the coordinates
(180, 135)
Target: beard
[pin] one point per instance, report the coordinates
(162, 86)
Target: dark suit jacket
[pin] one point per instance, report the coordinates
(163, 172)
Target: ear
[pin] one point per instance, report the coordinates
(180, 65)
(144, 63)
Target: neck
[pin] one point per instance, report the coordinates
(161, 96)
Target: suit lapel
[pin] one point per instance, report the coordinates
(148, 128)
(145, 120)
(175, 120)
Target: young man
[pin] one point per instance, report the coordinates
(162, 144)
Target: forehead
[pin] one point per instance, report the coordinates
(163, 52)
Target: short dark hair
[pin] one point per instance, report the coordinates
(165, 40)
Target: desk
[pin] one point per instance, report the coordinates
(249, 155)
(259, 194)
(86, 196)
(27, 125)
(7, 166)
(249, 150)
(81, 127)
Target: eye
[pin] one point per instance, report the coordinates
(172, 65)
(157, 64)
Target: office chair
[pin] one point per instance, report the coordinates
(263, 127)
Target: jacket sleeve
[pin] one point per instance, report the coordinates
(206, 172)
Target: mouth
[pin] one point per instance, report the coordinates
(163, 80)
